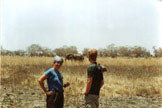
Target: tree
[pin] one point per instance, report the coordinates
(85, 51)
(63, 51)
(124, 51)
(19, 52)
(34, 50)
(138, 51)
(157, 52)
(71, 49)
(112, 51)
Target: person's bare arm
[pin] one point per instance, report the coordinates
(41, 82)
(89, 84)
(102, 83)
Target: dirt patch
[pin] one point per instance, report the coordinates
(16, 96)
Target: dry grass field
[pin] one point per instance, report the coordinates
(129, 82)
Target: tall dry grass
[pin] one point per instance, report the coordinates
(124, 76)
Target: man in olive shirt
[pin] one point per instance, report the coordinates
(95, 81)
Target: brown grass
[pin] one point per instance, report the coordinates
(124, 77)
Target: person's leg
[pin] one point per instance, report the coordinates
(95, 101)
(88, 101)
(91, 101)
(59, 103)
(50, 101)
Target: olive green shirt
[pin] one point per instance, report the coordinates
(94, 72)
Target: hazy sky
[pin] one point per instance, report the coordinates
(81, 23)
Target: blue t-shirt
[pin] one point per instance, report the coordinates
(54, 80)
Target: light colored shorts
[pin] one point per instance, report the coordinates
(92, 101)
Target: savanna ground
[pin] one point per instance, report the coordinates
(129, 83)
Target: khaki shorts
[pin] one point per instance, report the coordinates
(92, 101)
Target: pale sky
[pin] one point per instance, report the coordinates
(81, 23)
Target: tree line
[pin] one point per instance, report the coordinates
(109, 51)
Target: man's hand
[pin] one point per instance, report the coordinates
(66, 85)
(50, 92)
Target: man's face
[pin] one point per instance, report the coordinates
(57, 65)
(89, 58)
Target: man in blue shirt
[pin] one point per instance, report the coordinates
(55, 97)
